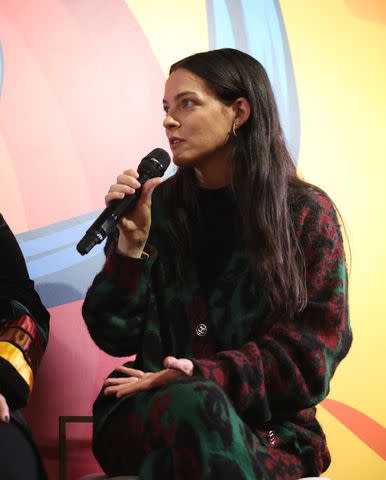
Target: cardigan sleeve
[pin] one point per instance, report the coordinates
(116, 302)
(289, 367)
(24, 323)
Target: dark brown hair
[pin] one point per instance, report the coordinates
(264, 179)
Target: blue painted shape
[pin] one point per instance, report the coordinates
(61, 274)
(223, 25)
(256, 27)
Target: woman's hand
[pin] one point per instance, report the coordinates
(4, 410)
(134, 228)
(139, 381)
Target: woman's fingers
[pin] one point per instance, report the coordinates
(147, 382)
(130, 386)
(132, 173)
(126, 184)
(120, 381)
(131, 372)
(169, 362)
(121, 189)
(4, 410)
(127, 180)
(113, 196)
(139, 381)
(113, 389)
(155, 380)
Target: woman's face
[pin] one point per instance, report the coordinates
(197, 124)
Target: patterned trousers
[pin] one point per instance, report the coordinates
(188, 431)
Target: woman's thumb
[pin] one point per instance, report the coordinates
(148, 188)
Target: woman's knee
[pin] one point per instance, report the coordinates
(191, 395)
(198, 404)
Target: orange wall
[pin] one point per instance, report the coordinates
(339, 49)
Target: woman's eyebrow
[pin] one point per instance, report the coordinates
(181, 94)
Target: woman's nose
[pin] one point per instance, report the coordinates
(170, 122)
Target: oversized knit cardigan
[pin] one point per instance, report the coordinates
(274, 367)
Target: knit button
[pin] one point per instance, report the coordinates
(271, 437)
(201, 329)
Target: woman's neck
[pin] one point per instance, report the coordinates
(213, 176)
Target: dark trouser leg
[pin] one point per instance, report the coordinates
(18, 458)
(185, 431)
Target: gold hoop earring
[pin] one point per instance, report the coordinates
(234, 129)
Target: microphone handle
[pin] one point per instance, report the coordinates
(109, 218)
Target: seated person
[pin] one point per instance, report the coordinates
(229, 282)
(24, 328)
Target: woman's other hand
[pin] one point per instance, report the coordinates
(183, 364)
(138, 381)
(4, 410)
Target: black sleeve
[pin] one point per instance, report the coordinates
(24, 322)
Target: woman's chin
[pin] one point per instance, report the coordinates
(183, 160)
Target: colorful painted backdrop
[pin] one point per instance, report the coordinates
(81, 85)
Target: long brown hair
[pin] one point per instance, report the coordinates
(264, 179)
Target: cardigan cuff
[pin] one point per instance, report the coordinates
(211, 370)
(127, 272)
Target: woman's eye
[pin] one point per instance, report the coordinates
(186, 103)
(166, 109)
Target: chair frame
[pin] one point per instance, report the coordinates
(63, 421)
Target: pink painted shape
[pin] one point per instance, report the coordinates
(81, 102)
(368, 430)
(11, 204)
(45, 160)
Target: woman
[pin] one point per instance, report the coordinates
(230, 285)
(24, 327)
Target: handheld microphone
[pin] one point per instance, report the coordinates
(153, 165)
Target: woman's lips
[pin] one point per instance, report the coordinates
(175, 143)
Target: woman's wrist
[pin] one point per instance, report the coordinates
(127, 249)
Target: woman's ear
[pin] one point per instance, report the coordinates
(242, 110)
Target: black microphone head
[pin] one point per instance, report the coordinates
(155, 163)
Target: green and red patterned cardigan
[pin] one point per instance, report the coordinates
(274, 368)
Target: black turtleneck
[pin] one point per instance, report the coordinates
(216, 232)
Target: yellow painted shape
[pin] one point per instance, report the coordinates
(351, 458)
(174, 29)
(340, 71)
